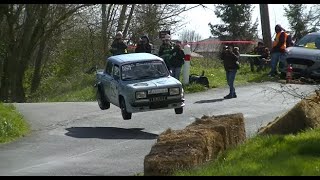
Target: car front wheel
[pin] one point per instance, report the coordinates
(125, 114)
(102, 102)
(178, 110)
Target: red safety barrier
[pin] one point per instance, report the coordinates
(223, 42)
(212, 42)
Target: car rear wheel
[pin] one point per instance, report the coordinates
(178, 110)
(102, 102)
(124, 113)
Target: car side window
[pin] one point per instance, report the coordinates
(108, 69)
(116, 72)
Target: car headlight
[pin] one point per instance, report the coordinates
(141, 94)
(287, 52)
(174, 91)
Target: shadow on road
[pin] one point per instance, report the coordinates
(109, 133)
(209, 101)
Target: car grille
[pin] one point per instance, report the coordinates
(157, 95)
(300, 61)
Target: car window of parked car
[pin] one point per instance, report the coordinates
(108, 69)
(309, 41)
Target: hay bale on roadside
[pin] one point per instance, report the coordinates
(304, 115)
(179, 150)
(198, 143)
(230, 126)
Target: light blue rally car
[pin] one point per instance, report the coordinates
(138, 82)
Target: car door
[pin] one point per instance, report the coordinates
(114, 85)
(106, 80)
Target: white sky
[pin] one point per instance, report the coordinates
(198, 19)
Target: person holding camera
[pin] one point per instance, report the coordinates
(231, 65)
(176, 60)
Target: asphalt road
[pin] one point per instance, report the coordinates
(80, 139)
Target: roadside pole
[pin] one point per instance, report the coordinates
(186, 66)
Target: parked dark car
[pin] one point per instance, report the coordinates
(138, 82)
(304, 57)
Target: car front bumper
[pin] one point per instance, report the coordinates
(309, 69)
(142, 105)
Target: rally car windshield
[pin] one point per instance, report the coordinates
(143, 70)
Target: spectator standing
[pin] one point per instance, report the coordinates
(176, 60)
(144, 45)
(118, 46)
(230, 65)
(261, 61)
(278, 49)
(165, 50)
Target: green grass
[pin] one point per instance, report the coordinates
(79, 87)
(68, 89)
(12, 124)
(216, 74)
(290, 155)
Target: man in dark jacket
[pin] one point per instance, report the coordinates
(230, 61)
(165, 50)
(176, 60)
(144, 45)
(118, 46)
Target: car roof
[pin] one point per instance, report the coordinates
(133, 57)
(315, 33)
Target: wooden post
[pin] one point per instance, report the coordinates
(265, 25)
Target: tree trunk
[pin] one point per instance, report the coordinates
(30, 36)
(110, 22)
(104, 29)
(265, 25)
(36, 78)
(4, 86)
(122, 17)
(125, 32)
(112, 18)
(9, 62)
(19, 93)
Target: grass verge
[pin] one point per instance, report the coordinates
(289, 155)
(12, 124)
